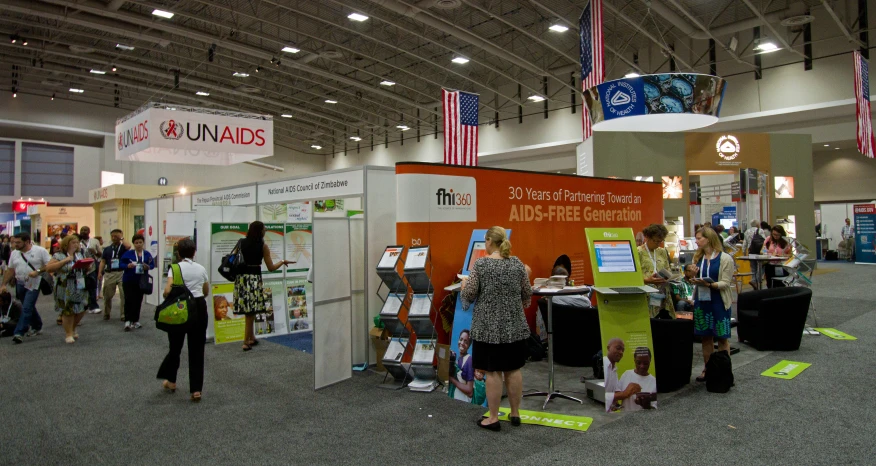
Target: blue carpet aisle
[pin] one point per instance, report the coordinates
(97, 402)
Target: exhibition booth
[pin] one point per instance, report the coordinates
(47, 221)
(335, 222)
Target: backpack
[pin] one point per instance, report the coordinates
(719, 372)
(173, 314)
(232, 263)
(535, 347)
(756, 243)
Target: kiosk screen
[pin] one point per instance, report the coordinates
(614, 256)
(478, 250)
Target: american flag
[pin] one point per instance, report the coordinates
(460, 128)
(592, 54)
(866, 141)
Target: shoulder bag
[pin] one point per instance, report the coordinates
(173, 314)
(232, 263)
(145, 281)
(46, 287)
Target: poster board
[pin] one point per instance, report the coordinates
(865, 233)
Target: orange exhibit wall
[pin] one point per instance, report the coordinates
(439, 205)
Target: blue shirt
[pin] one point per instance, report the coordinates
(112, 252)
(130, 256)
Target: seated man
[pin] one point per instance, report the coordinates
(637, 388)
(569, 300)
(682, 292)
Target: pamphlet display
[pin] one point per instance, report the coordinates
(390, 257)
(415, 269)
(623, 315)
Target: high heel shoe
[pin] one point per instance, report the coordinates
(168, 387)
(196, 397)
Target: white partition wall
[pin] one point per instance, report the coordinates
(360, 341)
(332, 311)
(380, 212)
(150, 220)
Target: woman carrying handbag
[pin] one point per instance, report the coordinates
(136, 264)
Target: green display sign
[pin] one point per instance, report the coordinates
(560, 421)
(835, 334)
(786, 370)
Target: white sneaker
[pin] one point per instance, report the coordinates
(137, 325)
(128, 326)
(95, 311)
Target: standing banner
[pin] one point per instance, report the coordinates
(227, 327)
(865, 233)
(299, 303)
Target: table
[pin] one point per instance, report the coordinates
(759, 261)
(549, 293)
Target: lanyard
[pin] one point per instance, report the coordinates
(140, 257)
(708, 266)
(116, 251)
(652, 256)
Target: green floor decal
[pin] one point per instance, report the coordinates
(786, 369)
(579, 423)
(835, 334)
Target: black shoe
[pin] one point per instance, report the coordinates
(702, 378)
(495, 427)
(515, 420)
(16, 339)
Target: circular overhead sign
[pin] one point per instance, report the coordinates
(727, 147)
(162, 181)
(666, 102)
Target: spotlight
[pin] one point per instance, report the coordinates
(13, 38)
(258, 68)
(14, 92)
(114, 69)
(24, 42)
(183, 190)
(53, 96)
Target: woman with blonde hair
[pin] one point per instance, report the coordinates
(499, 287)
(713, 281)
(71, 296)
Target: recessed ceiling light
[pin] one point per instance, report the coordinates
(290, 50)
(205, 94)
(78, 91)
(240, 74)
(403, 127)
(558, 28)
(316, 147)
(827, 145)
(126, 48)
(286, 115)
(387, 83)
(114, 69)
(766, 47)
(536, 98)
(97, 72)
(357, 17)
(836, 148)
(356, 138)
(162, 13)
(330, 101)
(632, 74)
(460, 60)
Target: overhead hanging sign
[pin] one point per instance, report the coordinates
(193, 136)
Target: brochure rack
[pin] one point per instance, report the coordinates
(406, 312)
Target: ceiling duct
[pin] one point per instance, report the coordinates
(693, 32)
(81, 49)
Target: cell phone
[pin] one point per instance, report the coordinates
(708, 280)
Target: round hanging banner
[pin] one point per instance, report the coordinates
(666, 102)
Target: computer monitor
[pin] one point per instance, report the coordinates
(478, 250)
(614, 256)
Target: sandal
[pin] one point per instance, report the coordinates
(247, 347)
(495, 427)
(168, 386)
(702, 377)
(196, 397)
(254, 343)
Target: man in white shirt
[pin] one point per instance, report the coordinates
(26, 264)
(614, 353)
(645, 397)
(848, 234)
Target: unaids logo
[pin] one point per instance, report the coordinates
(171, 130)
(727, 147)
(621, 98)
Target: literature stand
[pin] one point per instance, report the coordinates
(418, 268)
(390, 315)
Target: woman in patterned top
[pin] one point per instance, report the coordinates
(499, 287)
(71, 296)
(654, 259)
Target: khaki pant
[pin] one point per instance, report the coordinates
(111, 280)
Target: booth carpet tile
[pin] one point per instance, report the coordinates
(98, 402)
(301, 341)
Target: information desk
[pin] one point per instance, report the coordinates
(548, 294)
(759, 261)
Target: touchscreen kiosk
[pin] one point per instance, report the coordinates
(477, 250)
(614, 256)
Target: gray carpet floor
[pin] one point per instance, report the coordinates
(98, 402)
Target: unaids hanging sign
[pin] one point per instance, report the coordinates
(193, 136)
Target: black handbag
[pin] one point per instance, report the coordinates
(146, 283)
(232, 263)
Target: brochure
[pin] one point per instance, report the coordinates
(421, 304)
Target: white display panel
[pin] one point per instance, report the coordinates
(150, 220)
(332, 314)
(357, 272)
(180, 224)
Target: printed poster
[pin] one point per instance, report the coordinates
(865, 233)
(275, 241)
(273, 213)
(223, 238)
(299, 246)
(227, 327)
(299, 304)
(273, 322)
(300, 212)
